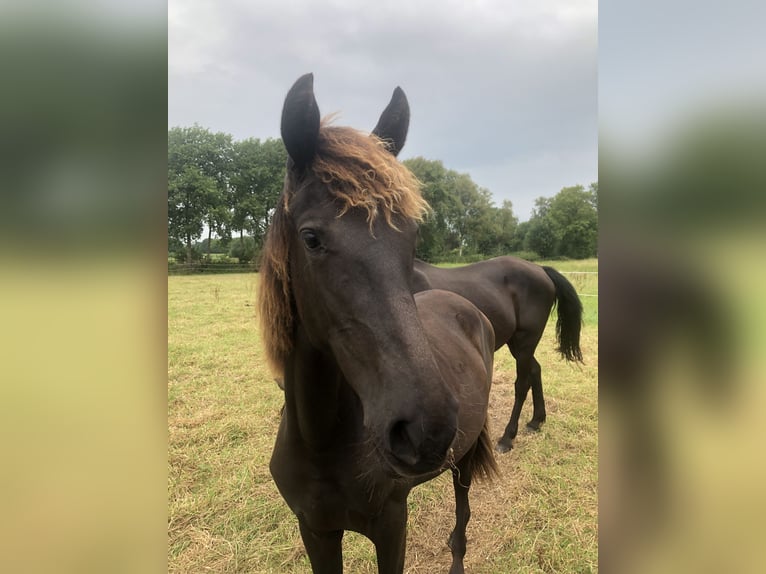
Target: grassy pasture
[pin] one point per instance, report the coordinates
(225, 514)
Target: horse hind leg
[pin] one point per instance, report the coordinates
(461, 480)
(521, 388)
(538, 401)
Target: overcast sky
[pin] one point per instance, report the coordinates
(501, 89)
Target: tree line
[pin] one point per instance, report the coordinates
(229, 188)
(465, 224)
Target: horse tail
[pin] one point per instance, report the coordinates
(569, 321)
(483, 464)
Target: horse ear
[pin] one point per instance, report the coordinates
(300, 122)
(394, 122)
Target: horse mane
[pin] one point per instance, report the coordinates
(274, 296)
(360, 172)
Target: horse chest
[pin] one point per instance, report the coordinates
(329, 490)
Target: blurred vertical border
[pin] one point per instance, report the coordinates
(682, 249)
(83, 119)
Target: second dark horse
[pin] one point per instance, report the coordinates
(517, 297)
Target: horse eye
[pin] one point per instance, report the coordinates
(310, 239)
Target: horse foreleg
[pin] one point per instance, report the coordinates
(538, 401)
(389, 534)
(461, 480)
(324, 549)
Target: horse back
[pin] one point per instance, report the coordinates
(514, 294)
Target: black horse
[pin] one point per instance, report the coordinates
(383, 389)
(517, 297)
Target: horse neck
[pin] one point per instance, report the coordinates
(316, 395)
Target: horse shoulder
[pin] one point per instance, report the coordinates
(453, 317)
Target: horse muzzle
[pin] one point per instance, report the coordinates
(420, 445)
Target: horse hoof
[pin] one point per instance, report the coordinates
(533, 425)
(503, 447)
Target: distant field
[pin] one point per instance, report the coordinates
(225, 514)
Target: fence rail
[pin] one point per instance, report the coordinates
(580, 284)
(190, 268)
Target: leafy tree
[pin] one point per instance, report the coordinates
(198, 157)
(519, 236)
(214, 245)
(575, 220)
(542, 206)
(565, 225)
(211, 153)
(471, 214)
(243, 248)
(190, 192)
(541, 237)
(230, 186)
(435, 235)
(593, 189)
(218, 219)
(258, 177)
(463, 218)
(498, 235)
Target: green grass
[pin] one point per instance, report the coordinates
(225, 514)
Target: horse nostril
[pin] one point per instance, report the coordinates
(404, 442)
(421, 445)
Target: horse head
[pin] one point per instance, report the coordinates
(347, 221)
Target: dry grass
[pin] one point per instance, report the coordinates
(225, 514)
